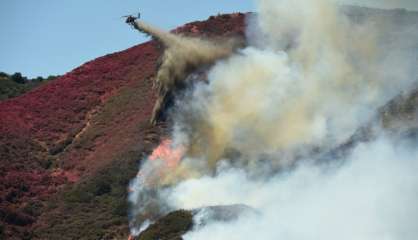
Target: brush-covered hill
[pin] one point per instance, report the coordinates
(69, 147)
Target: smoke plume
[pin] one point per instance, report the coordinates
(256, 131)
(372, 197)
(182, 55)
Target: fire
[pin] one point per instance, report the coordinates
(168, 153)
(160, 167)
(163, 164)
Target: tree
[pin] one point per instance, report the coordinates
(4, 75)
(18, 78)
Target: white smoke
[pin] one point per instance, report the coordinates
(310, 78)
(372, 197)
(309, 81)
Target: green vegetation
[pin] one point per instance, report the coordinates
(118, 106)
(95, 208)
(16, 84)
(170, 227)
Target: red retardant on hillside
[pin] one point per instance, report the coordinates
(67, 129)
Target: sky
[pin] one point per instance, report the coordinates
(51, 37)
(386, 4)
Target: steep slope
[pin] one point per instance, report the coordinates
(74, 143)
(69, 148)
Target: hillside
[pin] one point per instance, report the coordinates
(74, 143)
(69, 147)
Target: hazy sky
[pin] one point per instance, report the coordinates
(408, 4)
(46, 37)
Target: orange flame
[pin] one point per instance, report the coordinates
(169, 154)
(170, 157)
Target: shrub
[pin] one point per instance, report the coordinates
(78, 195)
(18, 78)
(2, 229)
(3, 75)
(172, 226)
(102, 187)
(33, 209)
